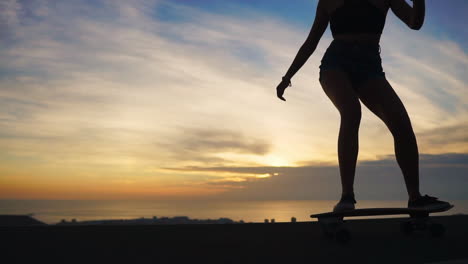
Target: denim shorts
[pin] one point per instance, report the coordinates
(361, 61)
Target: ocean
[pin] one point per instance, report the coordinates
(53, 211)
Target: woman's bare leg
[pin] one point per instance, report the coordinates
(338, 88)
(378, 95)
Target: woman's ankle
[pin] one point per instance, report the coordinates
(414, 197)
(347, 194)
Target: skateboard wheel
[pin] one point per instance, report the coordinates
(342, 236)
(407, 228)
(437, 230)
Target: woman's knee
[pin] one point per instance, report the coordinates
(351, 116)
(404, 133)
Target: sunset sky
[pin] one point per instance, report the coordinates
(172, 99)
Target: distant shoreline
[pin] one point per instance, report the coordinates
(177, 220)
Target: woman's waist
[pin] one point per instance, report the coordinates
(365, 39)
(351, 46)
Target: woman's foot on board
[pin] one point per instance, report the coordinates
(427, 202)
(346, 203)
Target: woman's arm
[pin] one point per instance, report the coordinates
(413, 17)
(309, 46)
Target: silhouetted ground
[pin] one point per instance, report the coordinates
(374, 241)
(19, 220)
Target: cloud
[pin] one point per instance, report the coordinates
(442, 175)
(9, 12)
(425, 160)
(135, 81)
(446, 137)
(205, 145)
(206, 141)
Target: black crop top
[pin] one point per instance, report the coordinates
(357, 16)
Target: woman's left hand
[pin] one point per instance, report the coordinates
(281, 87)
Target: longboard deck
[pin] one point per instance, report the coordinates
(333, 226)
(380, 211)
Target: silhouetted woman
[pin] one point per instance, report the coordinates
(351, 71)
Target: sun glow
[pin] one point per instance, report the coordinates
(261, 176)
(276, 161)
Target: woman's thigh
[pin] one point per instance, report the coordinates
(379, 97)
(338, 88)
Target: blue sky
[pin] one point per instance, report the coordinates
(446, 19)
(176, 99)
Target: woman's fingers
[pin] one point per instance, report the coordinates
(280, 91)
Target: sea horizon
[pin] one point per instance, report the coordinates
(54, 211)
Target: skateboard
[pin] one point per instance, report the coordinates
(332, 223)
